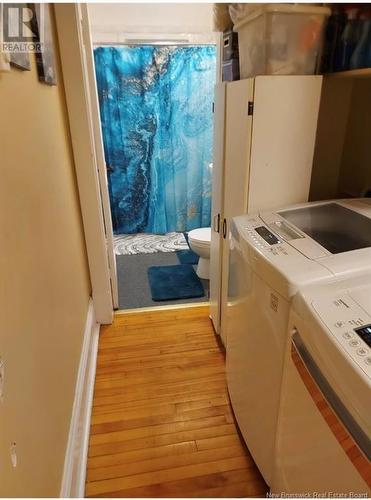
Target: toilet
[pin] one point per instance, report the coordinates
(199, 240)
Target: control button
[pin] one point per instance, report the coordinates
(339, 324)
(354, 343)
(356, 322)
(348, 335)
(368, 360)
(362, 351)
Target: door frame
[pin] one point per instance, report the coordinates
(102, 38)
(76, 87)
(76, 53)
(101, 162)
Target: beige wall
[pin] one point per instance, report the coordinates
(355, 172)
(44, 286)
(331, 131)
(342, 158)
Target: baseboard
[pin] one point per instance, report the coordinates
(74, 473)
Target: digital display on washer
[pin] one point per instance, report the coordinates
(267, 235)
(365, 333)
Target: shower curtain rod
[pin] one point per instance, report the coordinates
(180, 43)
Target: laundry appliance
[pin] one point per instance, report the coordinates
(272, 256)
(323, 440)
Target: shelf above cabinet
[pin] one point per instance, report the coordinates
(353, 73)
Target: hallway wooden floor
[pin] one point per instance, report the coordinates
(162, 424)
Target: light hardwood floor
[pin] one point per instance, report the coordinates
(162, 425)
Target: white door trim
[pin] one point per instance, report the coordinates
(114, 37)
(219, 56)
(82, 137)
(101, 163)
(74, 472)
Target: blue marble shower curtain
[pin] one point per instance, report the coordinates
(156, 112)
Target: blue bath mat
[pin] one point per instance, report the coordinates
(174, 282)
(187, 256)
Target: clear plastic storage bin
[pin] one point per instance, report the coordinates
(281, 39)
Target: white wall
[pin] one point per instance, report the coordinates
(168, 18)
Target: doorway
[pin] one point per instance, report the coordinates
(155, 103)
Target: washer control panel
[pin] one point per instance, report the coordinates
(350, 325)
(269, 243)
(260, 234)
(267, 235)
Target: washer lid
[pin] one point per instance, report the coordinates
(203, 234)
(335, 227)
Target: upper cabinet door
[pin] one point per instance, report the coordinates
(285, 124)
(239, 107)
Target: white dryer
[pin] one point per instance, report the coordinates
(272, 256)
(324, 428)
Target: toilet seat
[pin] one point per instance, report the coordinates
(201, 236)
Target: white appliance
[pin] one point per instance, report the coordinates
(270, 260)
(264, 134)
(199, 240)
(324, 428)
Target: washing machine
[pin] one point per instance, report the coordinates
(323, 443)
(272, 256)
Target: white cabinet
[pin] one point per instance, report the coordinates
(217, 203)
(264, 136)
